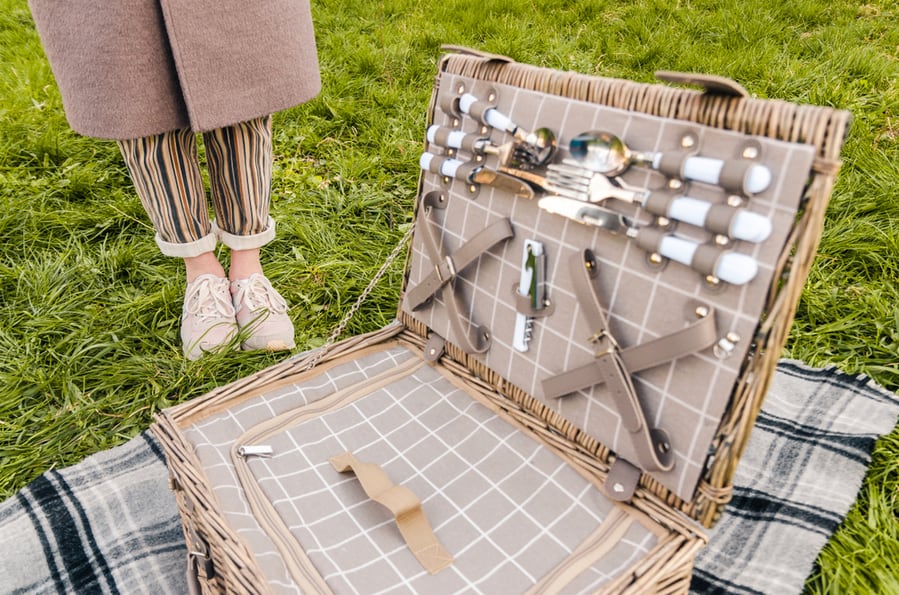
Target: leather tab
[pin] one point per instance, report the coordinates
(720, 218)
(734, 174)
(705, 259)
(523, 305)
(622, 481)
(479, 109)
(467, 51)
(711, 84)
(435, 347)
(672, 163)
(405, 506)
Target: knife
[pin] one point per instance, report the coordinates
(733, 267)
(454, 168)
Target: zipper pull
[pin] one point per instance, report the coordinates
(255, 450)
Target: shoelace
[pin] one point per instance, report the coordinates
(255, 293)
(209, 301)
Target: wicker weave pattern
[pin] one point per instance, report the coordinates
(822, 129)
(494, 495)
(687, 397)
(667, 567)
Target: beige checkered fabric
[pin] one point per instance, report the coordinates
(506, 507)
(687, 399)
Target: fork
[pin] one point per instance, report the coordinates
(575, 181)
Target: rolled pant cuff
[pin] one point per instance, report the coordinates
(190, 249)
(236, 242)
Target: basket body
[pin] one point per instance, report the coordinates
(456, 406)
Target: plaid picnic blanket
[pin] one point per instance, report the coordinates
(110, 525)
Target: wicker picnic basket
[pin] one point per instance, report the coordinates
(671, 501)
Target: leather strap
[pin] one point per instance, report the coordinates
(406, 508)
(477, 338)
(652, 446)
(699, 335)
(524, 305)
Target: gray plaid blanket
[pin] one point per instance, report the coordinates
(110, 525)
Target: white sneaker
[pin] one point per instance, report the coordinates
(262, 310)
(207, 320)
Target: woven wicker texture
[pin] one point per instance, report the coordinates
(505, 506)
(688, 397)
(507, 383)
(819, 130)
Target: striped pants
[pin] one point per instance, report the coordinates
(166, 172)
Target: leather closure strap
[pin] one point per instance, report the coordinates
(699, 335)
(406, 508)
(477, 338)
(652, 446)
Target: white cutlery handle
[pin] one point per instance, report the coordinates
(453, 139)
(703, 169)
(738, 175)
(493, 117)
(743, 225)
(448, 167)
(732, 267)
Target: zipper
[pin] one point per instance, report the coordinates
(251, 444)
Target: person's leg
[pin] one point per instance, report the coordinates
(239, 159)
(165, 170)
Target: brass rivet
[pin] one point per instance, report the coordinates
(472, 188)
(663, 221)
(655, 258)
(455, 122)
(735, 201)
(460, 89)
(722, 240)
(750, 152)
(712, 280)
(675, 184)
(732, 337)
(688, 141)
(618, 488)
(484, 129)
(491, 97)
(702, 311)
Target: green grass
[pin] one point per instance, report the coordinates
(89, 310)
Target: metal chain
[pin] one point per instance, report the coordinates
(332, 338)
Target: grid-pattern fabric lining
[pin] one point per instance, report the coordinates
(506, 507)
(643, 302)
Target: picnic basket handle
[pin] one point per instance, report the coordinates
(710, 83)
(405, 506)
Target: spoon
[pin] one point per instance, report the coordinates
(515, 153)
(538, 145)
(607, 154)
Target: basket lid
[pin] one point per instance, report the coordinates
(693, 344)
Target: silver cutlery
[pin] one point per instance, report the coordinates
(475, 174)
(514, 152)
(541, 143)
(606, 153)
(732, 267)
(578, 182)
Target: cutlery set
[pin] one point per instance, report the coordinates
(586, 184)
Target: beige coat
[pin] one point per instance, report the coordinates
(132, 68)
